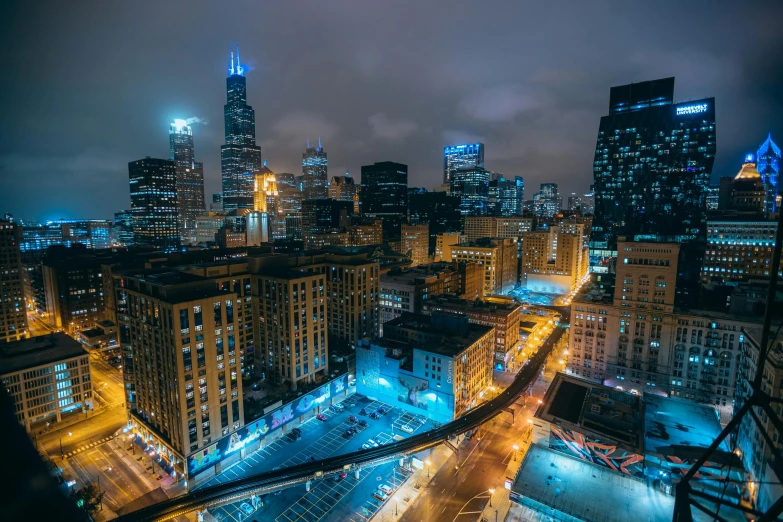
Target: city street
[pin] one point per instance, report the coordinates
(460, 489)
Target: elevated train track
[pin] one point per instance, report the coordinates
(269, 481)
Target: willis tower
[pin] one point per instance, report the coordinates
(240, 157)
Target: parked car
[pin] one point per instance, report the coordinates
(372, 443)
(348, 434)
(353, 419)
(406, 429)
(353, 429)
(363, 412)
(375, 415)
(366, 446)
(380, 495)
(340, 477)
(382, 411)
(339, 406)
(321, 417)
(363, 423)
(386, 489)
(247, 508)
(352, 382)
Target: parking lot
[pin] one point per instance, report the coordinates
(346, 498)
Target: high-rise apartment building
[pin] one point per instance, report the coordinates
(498, 259)
(459, 156)
(471, 185)
(315, 180)
(190, 178)
(477, 227)
(186, 369)
(768, 166)
(13, 312)
(384, 195)
(415, 241)
(652, 165)
(240, 157)
(154, 204)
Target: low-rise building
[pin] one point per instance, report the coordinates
(443, 244)
(503, 317)
(48, 378)
(738, 249)
(439, 365)
(498, 259)
(554, 260)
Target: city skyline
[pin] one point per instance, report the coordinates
(518, 120)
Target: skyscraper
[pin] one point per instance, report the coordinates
(652, 165)
(13, 314)
(384, 195)
(314, 172)
(548, 201)
(471, 185)
(240, 157)
(460, 156)
(190, 178)
(768, 165)
(506, 196)
(342, 188)
(154, 206)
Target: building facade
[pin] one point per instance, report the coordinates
(186, 370)
(459, 156)
(315, 180)
(384, 195)
(652, 165)
(48, 379)
(13, 312)
(438, 210)
(554, 260)
(240, 157)
(343, 188)
(415, 241)
(471, 186)
(503, 317)
(768, 165)
(497, 258)
(506, 196)
(154, 203)
(443, 244)
(190, 178)
(477, 227)
(548, 201)
(738, 249)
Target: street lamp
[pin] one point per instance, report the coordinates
(61, 445)
(516, 448)
(396, 502)
(428, 468)
(491, 492)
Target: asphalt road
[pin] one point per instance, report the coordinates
(460, 490)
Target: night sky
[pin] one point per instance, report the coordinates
(87, 87)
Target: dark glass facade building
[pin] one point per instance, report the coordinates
(768, 165)
(190, 177)
(461, 156)
(315, 181)
(436, 209)
(240, 157)
(384, 195)
(506, 196)
(652, 166)
(154, 207)
(471, 185)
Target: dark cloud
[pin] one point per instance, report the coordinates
(89, 86)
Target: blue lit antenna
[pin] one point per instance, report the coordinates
(308, 143)
(319, 143)
(239, 65)
(231, 69)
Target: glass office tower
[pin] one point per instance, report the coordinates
(768, 165)
(240, 157)
(652, 166)
(461, 156)
(384, 195)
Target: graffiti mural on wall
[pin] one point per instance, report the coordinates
(608, 455)
(409, 390)
(259, 428)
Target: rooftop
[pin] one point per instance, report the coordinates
(597, 411)
(590, 492)
(466, 306)
(599, 289)
(450, 335)
(38, 351)
(415, 275)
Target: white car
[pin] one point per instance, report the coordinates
(380, 495)
(406, 429)
(372, 443)
(386, 489)
(339, 406)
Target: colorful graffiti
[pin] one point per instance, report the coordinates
(259, 428)
(409, 390)
(608, 455)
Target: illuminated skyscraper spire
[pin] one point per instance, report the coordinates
(231, 67)
(239, 69)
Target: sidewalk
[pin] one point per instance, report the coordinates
(406, 493)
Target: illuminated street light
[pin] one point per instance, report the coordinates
(428, 468)
(491, 492)
(516, 448)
